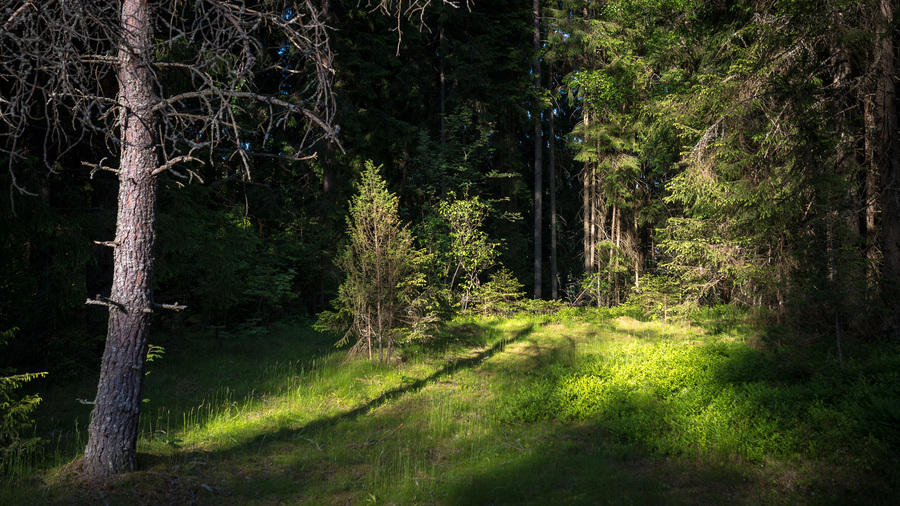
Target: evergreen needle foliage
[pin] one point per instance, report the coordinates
(383, 278)
(15, 413)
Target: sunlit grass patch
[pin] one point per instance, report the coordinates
(680, 398)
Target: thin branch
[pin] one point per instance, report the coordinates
(105, 301)
(172, 307)
(178, 159)
(99, 166)
(228, 94)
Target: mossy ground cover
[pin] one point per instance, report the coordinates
(572, 408)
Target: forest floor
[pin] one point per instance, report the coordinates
(526, 410)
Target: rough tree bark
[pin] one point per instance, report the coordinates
(112, 433)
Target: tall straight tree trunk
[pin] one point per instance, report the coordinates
(113, 429)
(638, 254)
(443, 99)
(587, 201)
(887, 159)
(871, 199)
(538, 151)
(554, 270)
(610, 266)
(598, 228)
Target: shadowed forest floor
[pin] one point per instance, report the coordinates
(507, 411)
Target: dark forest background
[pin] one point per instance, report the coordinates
(690, 153)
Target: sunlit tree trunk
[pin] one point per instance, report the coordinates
(113, 429)
(638, 254)
(610, 264)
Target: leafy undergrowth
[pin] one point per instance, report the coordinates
(563, 409)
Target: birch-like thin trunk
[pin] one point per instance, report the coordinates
(443, 98)
(835, 289)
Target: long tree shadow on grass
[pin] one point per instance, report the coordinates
(169, 486)
(579, 465)
(389, 395)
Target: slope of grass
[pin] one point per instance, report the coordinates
(563, 409)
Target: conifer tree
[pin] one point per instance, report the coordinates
(381, 268)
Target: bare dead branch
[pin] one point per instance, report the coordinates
(105, 301)
(99, 166)
(178, 159)
(407, 9)
(58, 62)
(172, 307)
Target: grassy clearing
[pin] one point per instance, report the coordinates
(553, 410)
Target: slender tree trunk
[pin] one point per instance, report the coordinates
(618, 246)
(835, 288)
(610, 266)
(443, 99)
(113, 429)
(538, 151)
(871, 208)
(598, 228)
(554, 270)
(587, 200)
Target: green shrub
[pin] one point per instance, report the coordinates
(499, 296)
(662, 298)
(15, 414)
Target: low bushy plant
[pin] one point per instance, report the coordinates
(662, 298)
(499, 296)
(15, 414)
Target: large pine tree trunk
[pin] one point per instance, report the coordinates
(113, 428)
